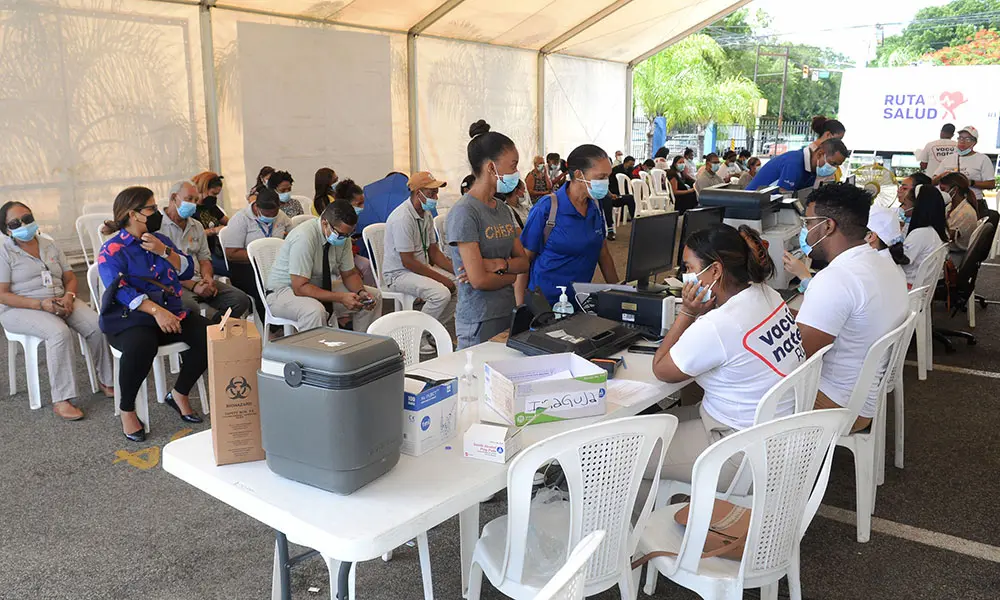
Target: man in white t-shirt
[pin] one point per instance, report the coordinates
(977, 167)
(937, 150)
(858, 298)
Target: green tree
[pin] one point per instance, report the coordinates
(687, 84)
(937, 27)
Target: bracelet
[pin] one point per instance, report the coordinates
(686, 313)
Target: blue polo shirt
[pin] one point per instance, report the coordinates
(573, 248)
(788, 170)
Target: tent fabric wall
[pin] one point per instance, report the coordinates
(98, 95)
(578, 108)
(459, 83)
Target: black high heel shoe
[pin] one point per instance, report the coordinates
(137, 436)
(191, 418)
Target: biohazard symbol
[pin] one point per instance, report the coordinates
(238, 388)
(144, 459)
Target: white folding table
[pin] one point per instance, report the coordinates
(416, 495)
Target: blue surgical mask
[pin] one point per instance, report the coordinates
(186, 209)
(903, 217)
(25, 233)
(266, 220)
(428, 204)
(336, 239)
(598, 188)
(693, 278)
(285, 196)
(506, 183)
(803, 235)
(965, 152)
(358, 210)
(716, 167)
(825, 170)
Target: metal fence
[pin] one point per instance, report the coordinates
(762, 141)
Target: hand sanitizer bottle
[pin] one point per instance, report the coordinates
(467, 386)
(564, 307)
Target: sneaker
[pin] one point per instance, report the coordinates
(611, 236)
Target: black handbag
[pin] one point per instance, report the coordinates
(115, 317)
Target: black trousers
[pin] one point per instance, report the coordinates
(139, 345)
(607, 204)
(242, 277)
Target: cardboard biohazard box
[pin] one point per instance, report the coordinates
(233, 360)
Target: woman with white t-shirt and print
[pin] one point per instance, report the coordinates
(927, 228)
(734, 335)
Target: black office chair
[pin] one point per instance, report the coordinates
(963, 290)
(993, 217)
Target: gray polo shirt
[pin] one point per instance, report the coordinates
(189, 239)
(24, 272)
(495, 231)
(302, 255)
(244, 228)
(406, 231)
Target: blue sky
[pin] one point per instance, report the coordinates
(847, 26)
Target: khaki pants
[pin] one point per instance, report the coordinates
(695, 433)
(308, 313)
(60, 339)
(439, 301)
(823, 401)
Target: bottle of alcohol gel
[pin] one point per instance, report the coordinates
(564, 307)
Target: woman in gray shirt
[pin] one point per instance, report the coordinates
(38, 296)
(485, 249)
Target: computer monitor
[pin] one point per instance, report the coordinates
(651, 248)
(697, 219)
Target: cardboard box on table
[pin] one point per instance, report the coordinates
(234, 349)
(430, 410)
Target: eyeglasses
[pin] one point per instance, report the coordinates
(27, 219)
(963, 138)
(145, 208)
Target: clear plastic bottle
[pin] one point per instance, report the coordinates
(467, 393)
(564, 307)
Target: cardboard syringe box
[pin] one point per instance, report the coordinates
(493, 443)
(233, 359)
(563, 386)
(430, 410)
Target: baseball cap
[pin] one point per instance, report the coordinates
(422, 180)
(884, 222)
(971, 131)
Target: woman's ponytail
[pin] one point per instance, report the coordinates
(759, 265)
(898, 256)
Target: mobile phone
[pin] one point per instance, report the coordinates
(642, 349)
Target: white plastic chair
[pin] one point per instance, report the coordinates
(603, 464)
(660, 195)
(625, 187)
(96, 287)
(300, 219)
(88, 232)
(567, 583)
(262, 253)
(374, 239)
(641, 195)
(306, 203)
(104, 208)
(790, 462)
(928, 273)
(29, 344)
(440, 228)
(895, 386)
(407, 327)
(865, 444)
(802, 384)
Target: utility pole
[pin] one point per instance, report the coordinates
(784, 82)
(781, 103)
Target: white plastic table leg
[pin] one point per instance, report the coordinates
(468, 526)
(11, 367)
(276, 575)
(423, 549)
(333, 565)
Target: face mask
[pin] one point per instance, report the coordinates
(540, 168)
(715, 167)
(428, 204)
(903, 217)
(186, 209)
(333, 187)
(693, 278)
(266, 220)
(335, 239)
(963, 152)
(209, 201)
(598, 188)
(506, 183)
(154, 221)
(285, 196)
(680, 166)
(359, 209)
(25, 233)
(804, 235)
(825, 170)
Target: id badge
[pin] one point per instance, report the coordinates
(47, 278)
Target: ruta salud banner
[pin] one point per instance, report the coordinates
(902, 108)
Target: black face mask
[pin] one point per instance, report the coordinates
(154, 221)
(210, 201)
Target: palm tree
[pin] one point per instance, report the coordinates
(685, 83)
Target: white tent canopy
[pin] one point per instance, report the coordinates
(100, 94)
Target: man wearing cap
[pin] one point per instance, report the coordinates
(977, 167)
(937, 150)
(413, 262)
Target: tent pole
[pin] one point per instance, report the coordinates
(211, 95)
(411, 99)
(540, 110)
(629, 109)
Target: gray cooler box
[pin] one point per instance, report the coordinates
(331, 407)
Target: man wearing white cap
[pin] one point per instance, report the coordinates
(977, 167)
(413, 261)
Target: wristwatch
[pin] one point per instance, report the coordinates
(506, 267)
(167, 251)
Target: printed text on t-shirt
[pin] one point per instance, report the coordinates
(776, 338)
